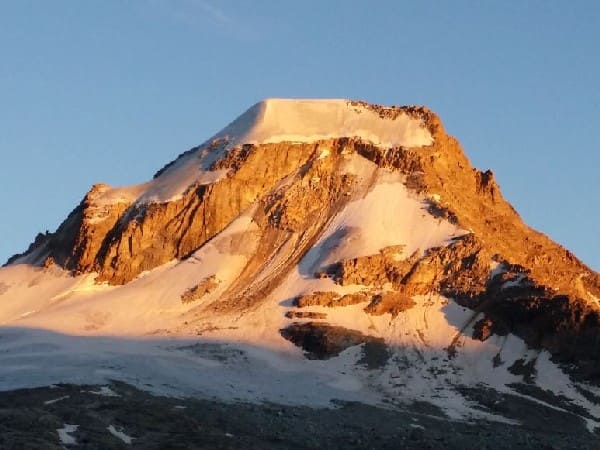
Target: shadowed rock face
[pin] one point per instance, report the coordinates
(323, 341)
(543, 293)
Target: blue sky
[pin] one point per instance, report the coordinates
(109, 91)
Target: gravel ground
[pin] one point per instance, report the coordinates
(30, 418)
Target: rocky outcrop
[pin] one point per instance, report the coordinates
(329, 299)
(483, 329)
(373, 270)
(389, 302)
(305, 315)
(315, 299)
(323, 341)
(379, 302)
(205, 287)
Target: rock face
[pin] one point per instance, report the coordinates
(305, 315)
(322, 341)
(293, 188)
(389, 302)
(206, 286)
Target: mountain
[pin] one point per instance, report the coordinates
(313, 250)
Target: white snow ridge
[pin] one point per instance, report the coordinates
(64, 434)
(305, 120)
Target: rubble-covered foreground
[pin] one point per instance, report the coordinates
(119, 416)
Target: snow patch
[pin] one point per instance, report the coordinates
(512, 283)
(496, 268)
(56, 400)
(387, 214)
(120, 435)
(64, 434)
(168, 187)
(105, 391)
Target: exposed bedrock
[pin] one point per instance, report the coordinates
(323, 341)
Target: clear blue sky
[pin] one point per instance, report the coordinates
(109, 91)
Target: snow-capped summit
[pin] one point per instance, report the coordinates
(310, 120)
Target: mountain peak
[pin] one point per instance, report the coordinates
(328, 224)
(308, 120)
